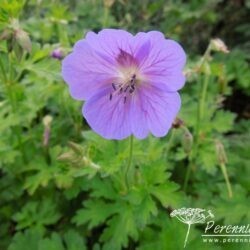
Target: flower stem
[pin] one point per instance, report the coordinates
(200, 113)
(224, 171)
(187, 176)
(3, 72)
(131, 139)
(170, 141)
(105, 21)
(189, 225)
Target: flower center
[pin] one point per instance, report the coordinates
(128, 76)
(124, 88)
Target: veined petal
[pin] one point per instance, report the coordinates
(110, 41)
(155, 112)
(164, 63)
(85, 72)
(109, 118)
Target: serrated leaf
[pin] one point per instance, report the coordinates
(94, 213)
(120, 228)
(168, 194)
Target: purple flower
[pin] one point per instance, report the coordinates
(129, 83)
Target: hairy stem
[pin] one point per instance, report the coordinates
(129, 161)
(200, 114)
(187, 176)
(170, 141)
(224, 171)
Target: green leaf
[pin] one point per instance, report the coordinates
(234, 210)
(74, 241)
(53, 243)
(28, 238)
(223, 121)
(40, 214)
(167, 194)
(120, 228)
(94, 213)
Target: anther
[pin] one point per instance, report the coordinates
(125, 99)
(110, 97)
(125, 90)
(113, 85)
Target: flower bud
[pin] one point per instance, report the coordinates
(46, 134)
(77, 148)
(220, 151)
(57, 54)
(218, 45)
(187, 141)
(47, 120)
(177, 123)
(23, 39)
(108, 3)
(6, 35)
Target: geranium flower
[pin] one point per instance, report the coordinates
(129, 83)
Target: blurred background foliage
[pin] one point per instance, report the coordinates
(62, 186)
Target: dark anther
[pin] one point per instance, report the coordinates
(125, 99)
(132, 81)
(113, 85)
(132, 89)
(121, 89)
(125, 90)
(110, 97)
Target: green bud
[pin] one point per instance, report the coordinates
(218, 45)
(187, 140)
(6, 35)
(78, 149)
(23, 40)
(220, 151)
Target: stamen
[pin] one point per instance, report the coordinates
(125, 99)
(113, 85)
(125, 90)
(110, 97)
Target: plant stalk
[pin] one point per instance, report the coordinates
(229, 188)
(131, 139)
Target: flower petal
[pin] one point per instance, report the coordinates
(154, 111)
(110, 41)
(85, 72)
(109, 118)
(164, 63)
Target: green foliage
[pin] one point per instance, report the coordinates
(62, 187)
(34, 239)
(36, 214)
